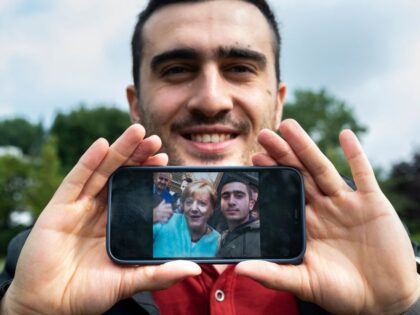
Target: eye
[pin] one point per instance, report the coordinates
(177, 72)
(239, 195)
(225, 196)
(241, 69)
(202, 203)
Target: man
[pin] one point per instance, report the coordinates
(161, 183)
(207, 83)
(242, 238)
(162, 198)
(188, 234)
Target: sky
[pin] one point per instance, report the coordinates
(55, 55)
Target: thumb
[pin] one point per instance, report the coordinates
(280, 277)
(150, 278)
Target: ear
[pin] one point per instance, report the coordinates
(251, 204)
(281, 94)
(133, 103)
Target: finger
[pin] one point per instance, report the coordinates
(361, 169)
(118, 154)
(77, 178)
(147, 148)
(263, 159)
(280, 151)
(150, 278)
(280, 277)
(160, 159)
(322, 170)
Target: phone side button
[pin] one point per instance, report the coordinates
(219, 295)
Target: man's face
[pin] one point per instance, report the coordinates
(235, 203)
(208, 83)
(197, 210)
(184, 185)
(161, 181)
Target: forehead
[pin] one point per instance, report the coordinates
(234, 186)
(163, 175)
(207, 26)
(200, 195)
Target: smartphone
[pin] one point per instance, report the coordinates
(206, 214)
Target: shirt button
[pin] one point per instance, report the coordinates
(220, 295)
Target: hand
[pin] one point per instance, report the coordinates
(64, 267)
(162, 213)
(359, 258)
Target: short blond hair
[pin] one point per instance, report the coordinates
(200, 186)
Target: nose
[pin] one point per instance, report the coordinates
(231, 200)
(194, 207)
(211, 94)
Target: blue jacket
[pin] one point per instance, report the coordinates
(173, 239)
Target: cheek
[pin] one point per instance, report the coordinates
(165, 103)
(258, 105)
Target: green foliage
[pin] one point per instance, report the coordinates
(77, 130)
(21, 133)
(324, 117)
(402, 188)
(14, 183)
(45, 176)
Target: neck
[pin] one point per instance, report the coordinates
(197, 234)
(234, 224)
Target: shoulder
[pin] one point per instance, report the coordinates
(13, 251)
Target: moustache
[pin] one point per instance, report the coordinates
(198, 118)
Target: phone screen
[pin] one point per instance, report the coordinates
(205, 214)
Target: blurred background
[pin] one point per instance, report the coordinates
(64, 66)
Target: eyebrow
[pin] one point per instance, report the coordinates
(179, 53)
(221, 53)
(243, 53)
(233, 192)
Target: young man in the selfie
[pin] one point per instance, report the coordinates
(207, 91)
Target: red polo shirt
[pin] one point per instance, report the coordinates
(227, 293)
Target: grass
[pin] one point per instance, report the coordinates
(1, 263)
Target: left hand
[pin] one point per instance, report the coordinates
(359, 258)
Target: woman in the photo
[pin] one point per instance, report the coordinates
(188, 234)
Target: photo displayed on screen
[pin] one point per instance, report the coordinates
(206, 215)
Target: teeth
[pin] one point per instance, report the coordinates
(210, 138)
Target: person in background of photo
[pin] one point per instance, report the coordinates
(177, 196)
(255, 212)
(188, 234)
(162, 198)
(242, 238)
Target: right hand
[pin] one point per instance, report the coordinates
(162, 213)
(63, 267)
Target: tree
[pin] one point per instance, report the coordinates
(323, 117)
(402, 188)
(13, 187)
(45, 176)
(21, 133)
(76, 130)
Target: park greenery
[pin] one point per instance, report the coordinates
(34, 159)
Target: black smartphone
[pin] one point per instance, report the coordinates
(206, 214)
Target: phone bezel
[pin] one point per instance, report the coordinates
(156, 261)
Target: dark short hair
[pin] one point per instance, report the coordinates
(236, 179)
(154, 5)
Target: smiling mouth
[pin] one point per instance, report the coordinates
(195, 217)
(209, 137)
